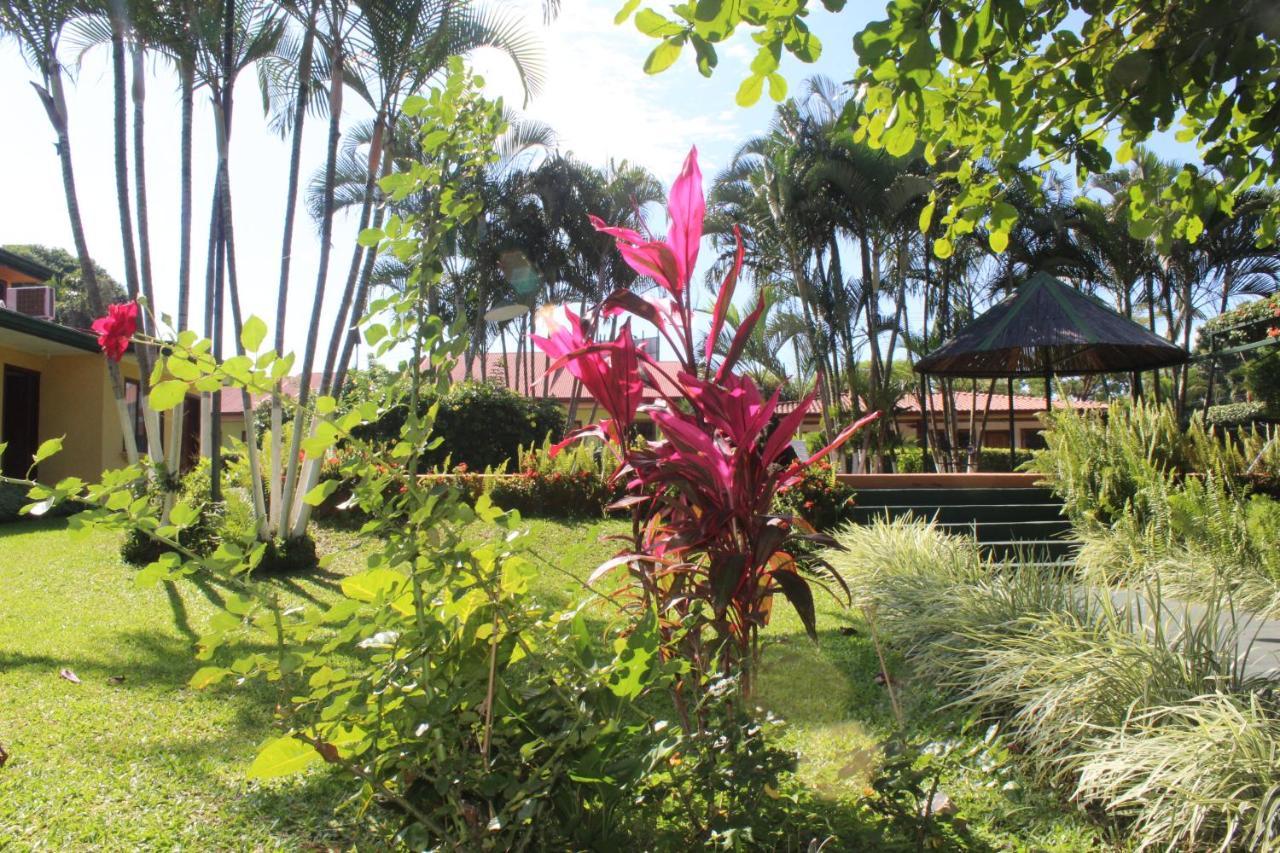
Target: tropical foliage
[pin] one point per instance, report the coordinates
(1118, 702)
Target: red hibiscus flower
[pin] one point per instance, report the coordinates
(116, 329)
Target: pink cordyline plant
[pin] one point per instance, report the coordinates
(708, 553)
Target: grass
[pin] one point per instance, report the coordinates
(147, 763)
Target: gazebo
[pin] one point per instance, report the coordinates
(1047, 328)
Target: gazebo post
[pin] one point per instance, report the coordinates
(1012, 457)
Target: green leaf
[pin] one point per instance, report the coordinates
(183, 514)
(926, 217)
(47, 448)
(948, 34)
(652, 24)
(1194, 228)
(777, 87)
(281, 757)
(206, 675)
(182, 369)
(625, 11)
(253, 333)
(942, 248)
(749, 91)
(367, 586)
(167, 394)
(320, 493)
(664, 55)
(999, 241)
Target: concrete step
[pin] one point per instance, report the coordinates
(1012, 531)
(959, 513)
(950, 497)
(1028, 552)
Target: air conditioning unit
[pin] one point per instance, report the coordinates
(32, 301)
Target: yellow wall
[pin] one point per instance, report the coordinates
(76, 402)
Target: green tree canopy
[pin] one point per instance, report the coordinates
(1012, 83)
(71, 303)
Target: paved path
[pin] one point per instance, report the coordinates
(1257, 639)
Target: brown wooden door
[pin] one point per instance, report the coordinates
(20, 420)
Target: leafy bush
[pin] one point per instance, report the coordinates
(1155, 503)
(817, 497)
(910, 460)
(481, 425)
(1235, 414)
(573, 483)
(230, 520)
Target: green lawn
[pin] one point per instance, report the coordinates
(146, 762)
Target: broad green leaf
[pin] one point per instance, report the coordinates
(167, 394)
(47, 448)
(181, 368)
(183, 514)
(664, 55)
(281, 757)
(942, 248)
(367, 586)
(652, 24)
(777, 87)
(999, 241)
(320, 493)
(206, 675)
(625, 11)
(325, 404)
(926, 217)
(253, 333)
(749, 91)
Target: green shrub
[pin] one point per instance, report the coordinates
(228, 521)
(574, 483)
(818, 497)
(910, 459)
(480, 424)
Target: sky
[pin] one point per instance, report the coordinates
(596, 97)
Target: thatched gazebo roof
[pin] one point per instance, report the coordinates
(1048, 328)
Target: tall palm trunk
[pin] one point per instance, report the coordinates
(286, 255)
(186, 73)
(300, 424)
(54, 101)
(352, 336)
(346, 317)
(151, 423)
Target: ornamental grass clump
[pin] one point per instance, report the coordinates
(1131, 703)
(1200, 774)
(707, 553)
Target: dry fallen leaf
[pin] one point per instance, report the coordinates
(115, 679)
(69, 676)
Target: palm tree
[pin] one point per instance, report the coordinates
(37, 26)
(395, 49)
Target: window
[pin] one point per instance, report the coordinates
(132, 393)
(1032, 439)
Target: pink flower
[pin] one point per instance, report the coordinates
(116, 329)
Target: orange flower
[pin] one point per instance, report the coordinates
(1273, 332)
